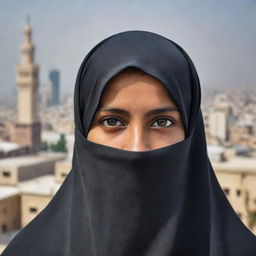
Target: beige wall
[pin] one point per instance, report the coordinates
(27, 135)
(234, 188)
(62, 168)
(10, 213)
(35, 170)
(25, 172)
(26, 105)
(250, 181)
(8, 175)
(31, 206)
(245, 182)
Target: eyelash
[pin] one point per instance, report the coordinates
(117, 119)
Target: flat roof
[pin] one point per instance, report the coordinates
(6, 146)
(42, 185)
(31, 159)
(214, 149)
(236, 164)
(7, 191)
(55, 136)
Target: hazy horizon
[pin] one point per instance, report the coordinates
(219, 36)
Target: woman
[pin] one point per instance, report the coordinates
(141, 183)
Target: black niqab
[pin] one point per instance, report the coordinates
(161, 202)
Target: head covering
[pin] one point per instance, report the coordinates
(161, 202)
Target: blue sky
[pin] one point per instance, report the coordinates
(219, 35)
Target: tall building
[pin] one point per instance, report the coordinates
(55, 81)
(220, 119)
(218, 124)
(27, 130)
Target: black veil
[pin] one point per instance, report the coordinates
(161, 202)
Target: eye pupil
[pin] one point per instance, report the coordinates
(111, 121)
(161, 122)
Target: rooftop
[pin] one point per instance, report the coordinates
(215, 149)
(31, 159)
(43, 185)
(6, 146)
(7, 191)
(237, 164)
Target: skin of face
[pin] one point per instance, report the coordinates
(136, 113)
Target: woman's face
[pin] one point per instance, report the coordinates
(136, 113)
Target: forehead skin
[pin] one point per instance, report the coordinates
(144, 90)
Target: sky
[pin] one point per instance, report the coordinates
(219, 35)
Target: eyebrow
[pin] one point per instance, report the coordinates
(151, 112)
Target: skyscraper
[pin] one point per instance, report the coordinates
(54, 77)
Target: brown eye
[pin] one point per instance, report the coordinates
(162, 123)
(111, 122)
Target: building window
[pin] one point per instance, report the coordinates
(4, 228)
(6, 173)
(33, 209)
(226, 191)
(238, 192)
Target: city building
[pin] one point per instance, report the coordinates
(220, 121)
(16, 169)
(35, 195)
(22, 201)
(9, 149)
(28, 178)
(27, 129)
(62, 169)
(9, 208)
(45, 96)
(237, 177)
(54, 77)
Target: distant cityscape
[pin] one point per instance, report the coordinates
(36, 145)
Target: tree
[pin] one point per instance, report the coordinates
(44, 146)
(60, 146)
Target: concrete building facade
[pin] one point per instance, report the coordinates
(237, 177)
(9, 209)
(35, 195)
(16, 169)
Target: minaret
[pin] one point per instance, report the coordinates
(28, 127)
(27, 80)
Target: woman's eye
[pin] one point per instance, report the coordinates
(111, 122)
(162, 122)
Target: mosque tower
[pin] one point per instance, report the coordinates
(28, 127)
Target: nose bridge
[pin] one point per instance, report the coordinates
(137, 140)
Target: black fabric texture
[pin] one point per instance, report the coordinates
(161, 202)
